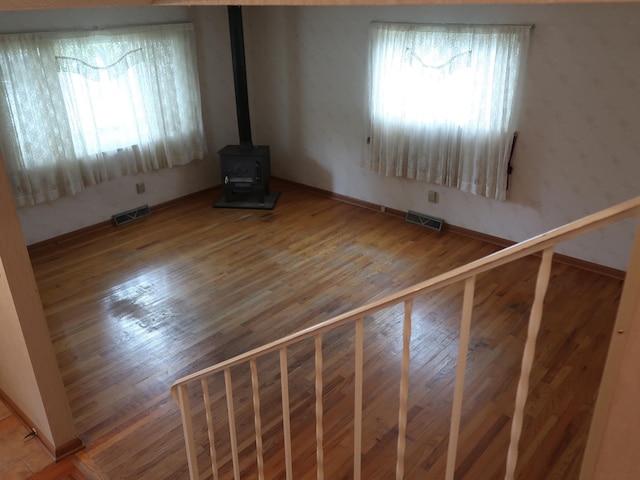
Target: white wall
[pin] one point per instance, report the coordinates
(99, 203)
(578, 149)
(17, 378)
(29, 374)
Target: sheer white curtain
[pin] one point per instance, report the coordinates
(442, 102)
(79, 108)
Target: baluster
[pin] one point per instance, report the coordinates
(463, 346)
(286, 420)
(256, 417)
(232, 423)
(404, 389)
(212, 445)
(357, 408)
(535, 317)
(319, 409)
(187, 427)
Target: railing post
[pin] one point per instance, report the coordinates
(286, 419)
(209, 415)
(319, 409)
(404, 389)
(357, 407)
(522, 393)
(257, 421)
(463, 346)
(611, 416)
(232, 423)
(187, 427)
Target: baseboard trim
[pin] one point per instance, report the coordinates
(63, 451)
(345, 199)
(557, 257)
(498, 241)
(92, 229)
(68, 449)
(57, 453)
(66, 237)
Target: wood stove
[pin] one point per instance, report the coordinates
(245, 171)
(245, 168)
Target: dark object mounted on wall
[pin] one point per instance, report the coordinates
(509, 165)
(245, 168)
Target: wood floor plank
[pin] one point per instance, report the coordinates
(132, 308)
(20, 455)
(67, 469)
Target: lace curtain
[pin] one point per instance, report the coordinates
(442, 103)
(80, 108)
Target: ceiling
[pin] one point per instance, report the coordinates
(59, 4)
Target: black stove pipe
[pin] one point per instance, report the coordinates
(240, 75)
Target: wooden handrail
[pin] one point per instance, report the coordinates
(536, 244)
(468, 273)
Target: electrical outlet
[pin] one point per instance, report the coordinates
(433, 196)
(140, 187)
(383, 209)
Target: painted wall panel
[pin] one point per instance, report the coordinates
(576, 153)
(29, 374)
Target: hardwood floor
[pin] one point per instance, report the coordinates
(133, 308)
(70, 468)
(20, 456)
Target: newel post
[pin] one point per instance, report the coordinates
(614, 438)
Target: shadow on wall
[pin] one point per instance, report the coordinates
(300, 165)
(216, 80)
(279, 109)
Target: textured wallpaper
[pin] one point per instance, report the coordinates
(97, 204)
(578, 149)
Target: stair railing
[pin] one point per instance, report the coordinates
(543, 244)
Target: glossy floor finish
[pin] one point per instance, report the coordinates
(133, 308)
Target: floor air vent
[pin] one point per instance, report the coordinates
(129, 215)
(425, 220)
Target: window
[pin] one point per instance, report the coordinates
(105, 100)
(442, 102)
(79, 108)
